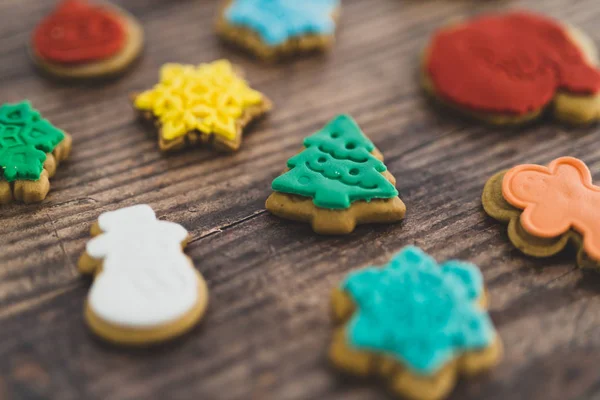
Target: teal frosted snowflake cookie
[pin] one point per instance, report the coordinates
(416, 323)
(274, 28)
(30, 150)
(338, 181)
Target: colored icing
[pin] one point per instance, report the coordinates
(145, 280)
(418, 312)
(78, 32)
(555, 199)
(336, 168)
(25, 138)
(512, 63)
(276, 21)
(208, 98)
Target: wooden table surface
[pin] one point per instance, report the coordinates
(267, 329)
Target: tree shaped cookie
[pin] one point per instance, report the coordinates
(30, 150)
(208, 104)
(274, 28)
(548, 207)
(337, 181)
(145, 288)
(81, 40)
(510, 68)
(415, 323)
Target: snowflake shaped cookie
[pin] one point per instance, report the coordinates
(205, 103)
(275, 27)
(424, 318)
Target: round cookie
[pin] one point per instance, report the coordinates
(210, 104)
(85, 41)
(145, 289)
(508, 69)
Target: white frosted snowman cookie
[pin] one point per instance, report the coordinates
(145, 289)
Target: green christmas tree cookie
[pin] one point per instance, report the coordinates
(337, 181)
(30, 149)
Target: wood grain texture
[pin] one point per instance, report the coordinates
(267, 327)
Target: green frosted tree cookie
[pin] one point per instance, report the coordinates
(25, 138)
(337, 182)
(336, 168)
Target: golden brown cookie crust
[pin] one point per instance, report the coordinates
(566, 107)
(498, 208)
(143, 337)
(251, 41)
(400, 379)
(35, 191)
(194, 138)
(107, 68)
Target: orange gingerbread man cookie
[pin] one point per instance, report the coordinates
(548, 207)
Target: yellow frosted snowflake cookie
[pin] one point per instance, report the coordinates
(209, 103)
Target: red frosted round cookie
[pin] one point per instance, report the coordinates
(509, 64)
(78, 32)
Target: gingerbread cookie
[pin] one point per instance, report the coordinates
(547, 208)
(416, 324)
(30, 150)
(509, 68)
(272, 29)
(80, 40)
(208, 104)
(339, 180)
(145, 288)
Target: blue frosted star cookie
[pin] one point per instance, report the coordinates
(275, 28)
(417, 324)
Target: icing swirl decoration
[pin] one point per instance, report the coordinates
(418, 312)
(209, 98)
(277, 21)
(78, 32)
(513, 63)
